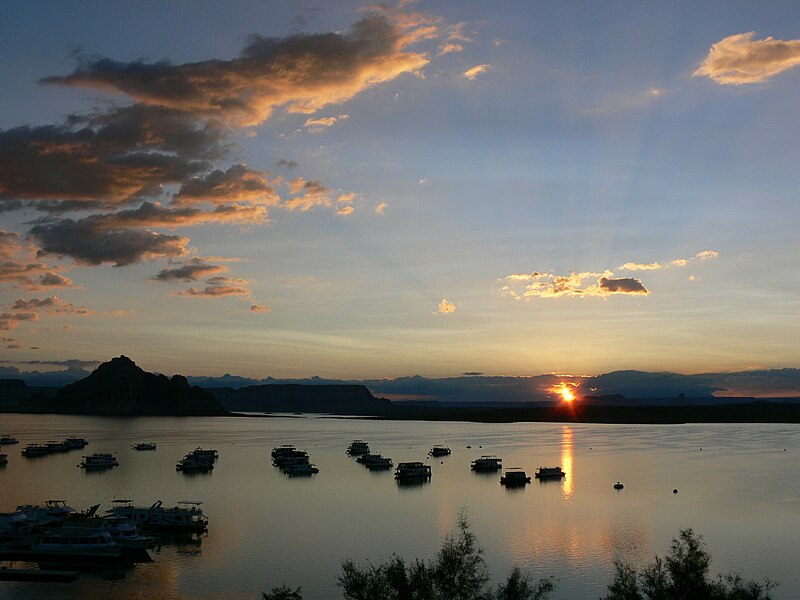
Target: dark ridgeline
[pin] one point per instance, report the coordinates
(12, 392)
(332, 399)
(120, 388)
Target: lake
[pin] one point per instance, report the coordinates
(737, 486)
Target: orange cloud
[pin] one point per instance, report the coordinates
(549, 285)
(219, 287)
(303, 72)
(640, 266)
(446, 307)
(323, 123)
(739, 59)
(260, 308)
(473, 73)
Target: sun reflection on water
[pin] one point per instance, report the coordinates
(567, 486)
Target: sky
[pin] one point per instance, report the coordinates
(356, 191)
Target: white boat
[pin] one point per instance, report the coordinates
(75, 443)
(121, 530)
(515, 476)
(195, 462)
(412, 470)
(487, 463)
(299, 469)
(51, 513)
(549, 473)
(7, 439)
(99, 460)
(439, 451)
(358, 447)
(14, 524)
(144, 446)
(187, 516)
(77, 542)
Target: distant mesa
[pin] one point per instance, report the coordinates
(119, 387)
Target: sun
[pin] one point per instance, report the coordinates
(564, 390)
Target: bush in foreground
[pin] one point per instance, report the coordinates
(683, 575)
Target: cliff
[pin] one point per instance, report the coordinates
(119, 387)
(332, 399)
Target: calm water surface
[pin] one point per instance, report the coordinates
(738, 486)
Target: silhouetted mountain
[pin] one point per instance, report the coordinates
(119, 387)
(11, 392)
(333, 399)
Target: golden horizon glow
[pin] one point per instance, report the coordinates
(565, 390)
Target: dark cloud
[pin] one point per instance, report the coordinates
(303, 72)
(193, 270)
(69, 164)
(624, 285)
(54, 280)
(237, 184)
(287, 164)
(88, 242)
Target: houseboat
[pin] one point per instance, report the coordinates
(549, 473)
(187, 516)
(487, 463)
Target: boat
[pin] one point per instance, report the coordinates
(54, 447)
(34, 450)
(549, 473)
(13, 525)
(299, 469)
(375, 461)
(412, 470)
(207, 454)
(144, 446)
(358, 447)
(77, 542)
(3, 459)
(487, 463)
(7, 439)
(515, 476)
(439, 451)
(293, 457)
(284, 450)
(194, 462)
(99, 460)
(618, 486)
(186, 516)
(121, 530)
(75, 443)
(53, 512)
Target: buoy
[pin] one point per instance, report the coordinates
(675, 491)
(618, 486)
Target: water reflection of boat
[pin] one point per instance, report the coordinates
(487, 463)
(549, 473)
(515, 476)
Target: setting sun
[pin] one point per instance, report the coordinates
(564, 390)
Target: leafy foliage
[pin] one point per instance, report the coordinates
(457, 573)
(683, 575)
(283, 593)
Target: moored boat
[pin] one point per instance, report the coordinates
(412, 470)
(514, 476)
(144, 446)
(358, 447)
(487, 463)
(549, 473)
(299, 469)
(194, 462)
(99, 460)
(284, 450)
(3, 459)
(75, 543)
(75, 443)
(34, 450)
(439, 450)
(7, 439)
(52, 512)
(187, 516)
(375, 461)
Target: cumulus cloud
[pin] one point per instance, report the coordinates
(446, 307)
(218, 287)
(707, 254)
(525, 286)
(345, 211)
(89, 242)
(740, 59)
(303, 72)
(308, 194)
(380, 208)
(19, 267)
(473, 73)
(192, 270)
(238, 184)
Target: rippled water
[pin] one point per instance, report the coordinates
(738, 486)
